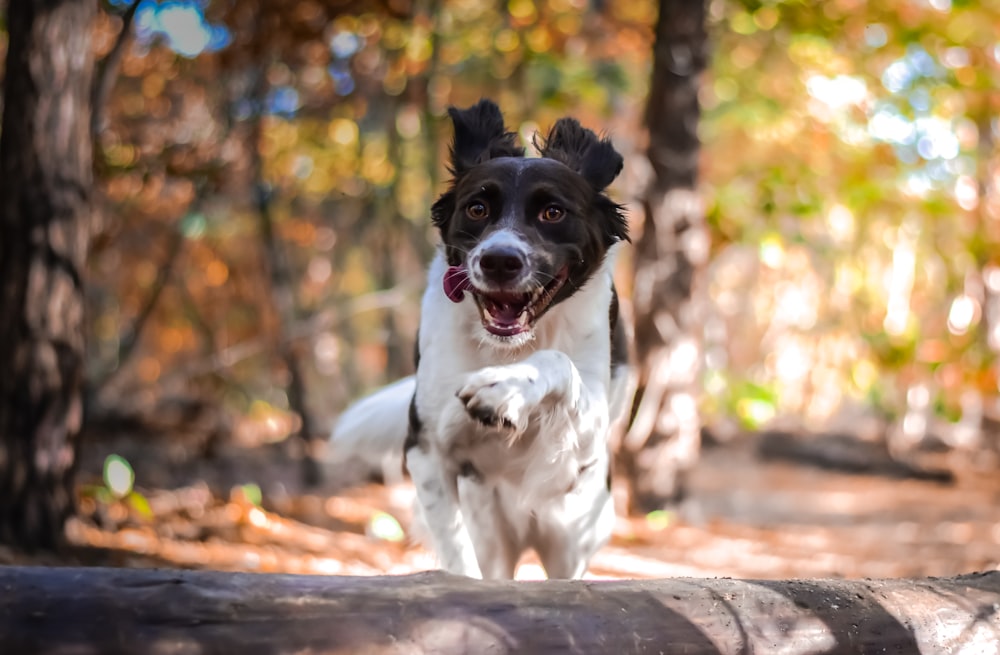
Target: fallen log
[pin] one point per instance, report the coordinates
(130, 611)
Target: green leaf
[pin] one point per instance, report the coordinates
(193, 225)
(253, 493)
(386, 527)
(659, 519)
(755, 412)
(118, 475)
(140, 504)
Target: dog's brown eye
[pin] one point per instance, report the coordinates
(477, 211)
(552, 214)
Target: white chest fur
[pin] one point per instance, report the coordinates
(545, 458)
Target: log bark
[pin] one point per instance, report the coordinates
(82, 611)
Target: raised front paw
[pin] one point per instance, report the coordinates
(501, 396)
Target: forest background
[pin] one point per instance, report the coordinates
(263, 174)
(848, 175)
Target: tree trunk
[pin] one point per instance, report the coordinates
(45, 610)
(45, 187)
(669, 296)
(281, 288)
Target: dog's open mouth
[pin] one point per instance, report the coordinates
(506, 314)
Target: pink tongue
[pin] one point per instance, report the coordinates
(456, 281)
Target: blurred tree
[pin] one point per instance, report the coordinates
(669, 295)
(45, 201)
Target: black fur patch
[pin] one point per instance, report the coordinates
(491, 174)
(468, 470)
(414, 433)
(416, 428)
(619, 356)
(595, 159)
(416, 351)
(619, 340)
(579, 148)
(480, 135)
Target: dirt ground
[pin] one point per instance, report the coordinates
(745, 516)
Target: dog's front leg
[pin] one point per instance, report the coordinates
(437, 498)
(508, 396)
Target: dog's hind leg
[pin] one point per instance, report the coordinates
(438, 502)
(494, 539)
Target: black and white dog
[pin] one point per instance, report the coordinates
(521, 359)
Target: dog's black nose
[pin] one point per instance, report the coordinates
(502, 264)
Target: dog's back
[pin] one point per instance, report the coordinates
(372, 431)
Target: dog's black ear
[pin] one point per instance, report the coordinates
(596, 160)
(615, 227)
(480, 135)
(579, 148)
(442, 209)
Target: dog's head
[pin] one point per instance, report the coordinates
(520, 234)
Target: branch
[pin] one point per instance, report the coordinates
(320, 322)
(52, 610)
(107, 72)
(131, 336)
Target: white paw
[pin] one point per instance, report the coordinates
(502, 396)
